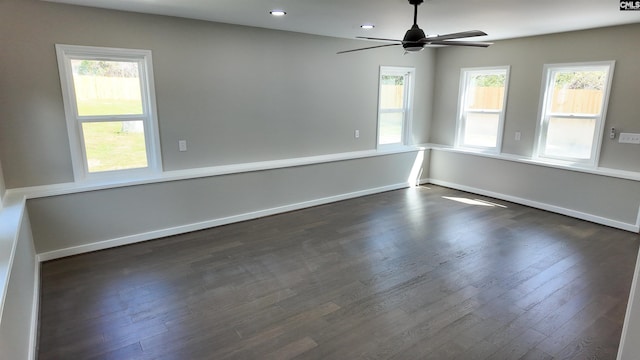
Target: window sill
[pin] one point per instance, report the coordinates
(33, 192)
(615, 173)
(472, 150)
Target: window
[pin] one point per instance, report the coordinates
(573, 108)
(110, 110)
(394, 109)
(482, 99)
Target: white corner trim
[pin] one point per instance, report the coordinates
(10, 223)
(35, 312)
(425, 181)
(539, 205)
(155, 234)
(630, 305)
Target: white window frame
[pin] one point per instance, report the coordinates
(545, 96)
(409, 74)
(465, 78)
(66, 53)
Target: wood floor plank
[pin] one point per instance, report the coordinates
(595, 342)
(292, 350)
(572, 329)
(520, 346)
(414, 273)
(130, 352)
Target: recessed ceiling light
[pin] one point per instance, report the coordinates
(277, 13)
(367, 26)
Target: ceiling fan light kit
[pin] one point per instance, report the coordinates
(415, 39)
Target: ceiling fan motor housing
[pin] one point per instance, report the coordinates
(411, 40)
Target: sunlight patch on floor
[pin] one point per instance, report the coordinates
(473, 201)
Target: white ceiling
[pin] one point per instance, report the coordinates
(501, 19)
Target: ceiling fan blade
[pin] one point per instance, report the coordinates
(415, 40)
(380, 39)
(367, 48)
(461, 43)
(459, 35)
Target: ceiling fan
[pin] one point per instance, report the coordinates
(415, 39)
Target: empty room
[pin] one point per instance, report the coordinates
(383, 179)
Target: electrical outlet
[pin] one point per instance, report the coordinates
(356, 134)
(629, 138)
(182, 145)
(518, 135)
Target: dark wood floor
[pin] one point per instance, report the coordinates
(420, 273)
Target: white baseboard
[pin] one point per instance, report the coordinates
(35, 313)
(131, 239)
(539, 205)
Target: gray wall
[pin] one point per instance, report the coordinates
(527, 57)
(17, 315)
(595, 195)
(68, 221)
(236, 94)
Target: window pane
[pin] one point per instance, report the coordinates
(107, 87)
(390, 131)
(578, 92)
(482, 100)
(114, 145)
(570, 137)
(392, 92)
(481, 129)
(485, 92)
